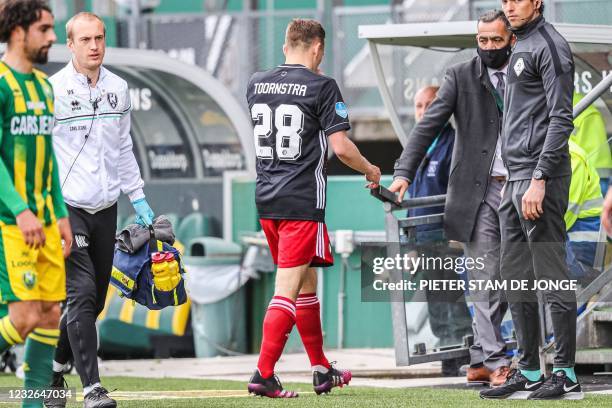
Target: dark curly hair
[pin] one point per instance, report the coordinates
(19, 13)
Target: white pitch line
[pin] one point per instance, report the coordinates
(181, 394)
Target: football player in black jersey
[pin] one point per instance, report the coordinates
(296, 111)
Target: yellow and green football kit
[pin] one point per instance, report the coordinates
(29, 179)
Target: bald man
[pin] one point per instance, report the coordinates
(422, 99)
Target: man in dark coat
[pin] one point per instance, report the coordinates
(473, 91)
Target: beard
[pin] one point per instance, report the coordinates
(39, 56)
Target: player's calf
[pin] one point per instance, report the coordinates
(25, 316)
(39, 350)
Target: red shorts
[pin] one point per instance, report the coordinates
(294, 243)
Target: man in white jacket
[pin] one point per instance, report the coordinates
(96, 163)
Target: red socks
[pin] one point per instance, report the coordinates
(277, 325)
(308, 322)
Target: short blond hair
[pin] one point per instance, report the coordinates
(302, 32)
(86, 15)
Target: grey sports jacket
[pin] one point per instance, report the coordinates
(538, 103)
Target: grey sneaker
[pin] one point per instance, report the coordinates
(98, 398)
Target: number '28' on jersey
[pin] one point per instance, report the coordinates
(293, 111)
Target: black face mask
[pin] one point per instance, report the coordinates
(495, 58)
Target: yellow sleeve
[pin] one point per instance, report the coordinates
(576, 191)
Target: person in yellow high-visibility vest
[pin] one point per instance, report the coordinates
(590, 134)
(582, 218)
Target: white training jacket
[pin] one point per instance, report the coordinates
(106, 166)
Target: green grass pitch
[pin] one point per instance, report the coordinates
(144, 393)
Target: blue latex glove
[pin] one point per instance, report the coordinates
(144, 213)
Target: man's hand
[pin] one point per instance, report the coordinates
(144, 213)
(532, 200)
(373, 176)
(399, 186)
(32, 229)
(606, 214)
(66, 234)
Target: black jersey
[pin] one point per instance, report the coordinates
(293, 111)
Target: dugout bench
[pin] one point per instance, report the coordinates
(403, 229)
(399, 231)
(443, 42)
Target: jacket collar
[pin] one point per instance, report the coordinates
(528, 29)
(81, 78)
(483, 74)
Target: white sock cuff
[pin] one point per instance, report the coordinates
(320, 368)
(307, 301)
(59, 368)
(282, 304)
(90, 388)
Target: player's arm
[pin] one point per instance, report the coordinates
(334, 120)
(350, 155)
(59, 207)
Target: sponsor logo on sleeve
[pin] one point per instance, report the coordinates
(341, 110)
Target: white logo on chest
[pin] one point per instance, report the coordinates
(519, 67)
(36, 105)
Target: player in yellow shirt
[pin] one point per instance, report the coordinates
(33, 217)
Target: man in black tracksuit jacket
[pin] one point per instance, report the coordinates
(472, 92)
(537, 126)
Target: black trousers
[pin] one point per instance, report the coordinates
(536, 250)
(88, 270)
